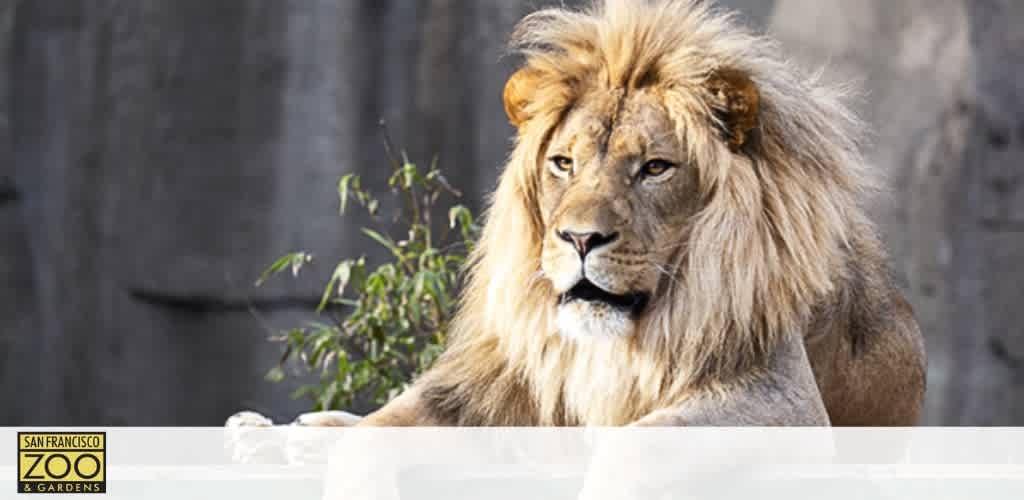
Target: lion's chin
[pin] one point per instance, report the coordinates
(580, 319)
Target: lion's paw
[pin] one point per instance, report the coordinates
(248, 419)
(251, 438)
(311, 435)
(327, 419)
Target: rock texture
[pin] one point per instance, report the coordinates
(944, 94)
(160, 154)
(155, 155)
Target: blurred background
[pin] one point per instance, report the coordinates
(157, 155)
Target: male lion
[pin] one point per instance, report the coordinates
(677, 239)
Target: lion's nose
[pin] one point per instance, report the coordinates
(584, 242)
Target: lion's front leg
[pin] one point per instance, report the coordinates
(631, 463)
(783, 393)
(253, 438)
(312, 419)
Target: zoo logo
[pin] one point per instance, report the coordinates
(62, 462)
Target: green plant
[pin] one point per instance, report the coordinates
(386, 323)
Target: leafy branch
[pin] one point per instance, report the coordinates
(386, 323)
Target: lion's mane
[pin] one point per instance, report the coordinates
(768, 244)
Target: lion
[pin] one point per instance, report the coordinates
(678, 238)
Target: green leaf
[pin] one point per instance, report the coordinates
(394, 178)
(343, 188)
(293, 260)
(383, 240)
(409, 175)
(298, 261)
(297, 337)
(275, 374)
(339, 279)
(460, 216)
(303, 391)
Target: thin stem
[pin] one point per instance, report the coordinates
(410, 195)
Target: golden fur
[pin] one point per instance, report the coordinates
(761, 253)
(777, 248)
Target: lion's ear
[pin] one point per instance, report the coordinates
(518, 93)
(737, 102)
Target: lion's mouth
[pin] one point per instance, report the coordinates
(586, 291)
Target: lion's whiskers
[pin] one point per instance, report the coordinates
(535, 277)
(664, 271)
(670, 247)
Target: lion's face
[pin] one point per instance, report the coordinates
(616, 192)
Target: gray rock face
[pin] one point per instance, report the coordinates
(161, 154)
(158, 155)
(944, 95)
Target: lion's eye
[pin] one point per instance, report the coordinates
(655, 168)
(561, 164)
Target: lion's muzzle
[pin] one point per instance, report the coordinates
(585, 290)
